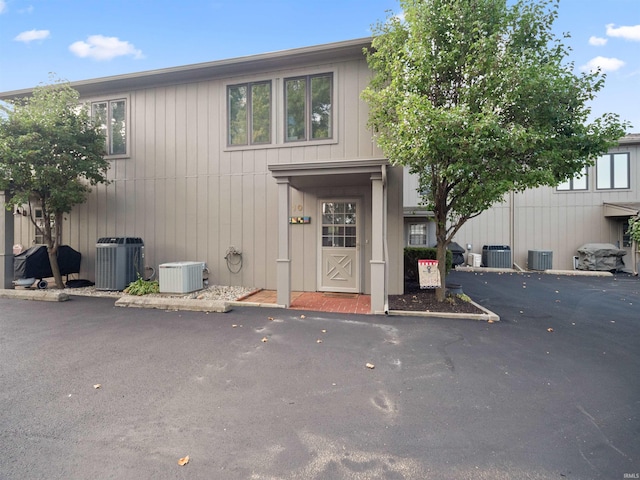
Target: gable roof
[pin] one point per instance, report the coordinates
(317, 54)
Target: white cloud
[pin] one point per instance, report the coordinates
(31, 35)
(100, 47)
(3, 6)
(604, 64)
(597, 41)
(626, 32)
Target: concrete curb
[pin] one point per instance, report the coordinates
(577, 273)
(174, 304)
(239, 303)
(37, 295)
(488, 316)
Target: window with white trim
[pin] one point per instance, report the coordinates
(308, 107)
(38, 237)
(579, 182)
(612, 171)
(111, 117)
(418, 234)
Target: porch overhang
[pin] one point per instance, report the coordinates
(334, 173)
(622, 209)
(417, 212)
(343, 173)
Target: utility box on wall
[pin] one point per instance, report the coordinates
(181, 277)
(540, 260)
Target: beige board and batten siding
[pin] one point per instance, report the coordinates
(561, 221)
(190, 197)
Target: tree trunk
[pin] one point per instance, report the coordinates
(442, 267)
(55, 269)
(52, 246)
(441, 251)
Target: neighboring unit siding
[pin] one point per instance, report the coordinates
(547, 219)
(190, 198)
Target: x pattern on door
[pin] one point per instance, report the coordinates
(339, 267)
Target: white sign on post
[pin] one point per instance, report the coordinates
(429, 273)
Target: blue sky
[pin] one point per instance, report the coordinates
(81, 39)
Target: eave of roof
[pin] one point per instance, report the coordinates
(317, 54)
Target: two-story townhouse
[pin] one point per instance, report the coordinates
(593, 207)
(268, 154)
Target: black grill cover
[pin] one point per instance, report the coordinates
(34, 262)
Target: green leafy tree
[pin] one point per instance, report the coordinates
(476, 98)
(634, 229)
(50, 154)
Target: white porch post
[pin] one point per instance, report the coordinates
(378, 262)
(283, 262)
(6, 237)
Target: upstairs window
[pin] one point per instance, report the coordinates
(111, 117)
(249, 114)
(309, 108)
(612, 171)
(579, 182)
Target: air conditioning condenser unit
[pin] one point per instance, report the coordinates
(180, 277)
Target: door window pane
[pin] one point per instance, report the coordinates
(338, 224)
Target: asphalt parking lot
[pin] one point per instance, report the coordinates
(550, 392)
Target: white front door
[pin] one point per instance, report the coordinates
(339, 255)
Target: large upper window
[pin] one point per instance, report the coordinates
(249, 113)
(612, 171)
(111, 117)
(308, 108)
(579, 182)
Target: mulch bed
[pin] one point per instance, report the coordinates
(424, 300)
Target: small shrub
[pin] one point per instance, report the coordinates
(413, 254)
(142, 287)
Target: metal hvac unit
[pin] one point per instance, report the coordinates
(496, 256)
(540, 260)
(119, 261)
(181, 277)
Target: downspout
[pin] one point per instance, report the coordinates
(385, 244)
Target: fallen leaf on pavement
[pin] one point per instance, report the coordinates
(183, 461)
(370, 365)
